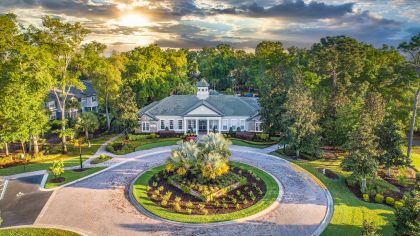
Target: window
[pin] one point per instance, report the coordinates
(233, 124)
(180, 124)
(225, 124)
(258, 127)
(93, 98)
(242, 125)
(145, 126)
(214, 125)
(162, 124)
(171, 124)
(191, 124)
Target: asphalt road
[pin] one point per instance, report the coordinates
(23, 201)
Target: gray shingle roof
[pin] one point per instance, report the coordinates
(87, 92)
(202, 83)
(180, 105)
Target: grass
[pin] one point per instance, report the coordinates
(144, 144)
(167, 142)
(349, 211)
(100, 159)
(245, 143)
(36, 232)
(71, 158)
(139, 192)
(71, 175)
(415, 156)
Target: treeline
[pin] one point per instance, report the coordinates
(311, 97)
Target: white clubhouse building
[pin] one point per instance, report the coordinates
(201, 113)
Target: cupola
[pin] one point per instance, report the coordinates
(202, 89)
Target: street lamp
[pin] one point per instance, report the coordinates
(22, 157)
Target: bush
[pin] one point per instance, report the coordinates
(189, 204)
(153, 136)
(164, 203)
(262, 137)
(407, 217)
(167, 134)
(398, 204)
(110, 148)
(189, 211)
(366, 197)
(57, 168)
(245, 135)
(390, 201)
(379, 198)
(369, 229)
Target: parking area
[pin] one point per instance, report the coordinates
(22, 201)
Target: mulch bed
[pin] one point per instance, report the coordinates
(80, 170)
(212, 209)
(58, 180)
(328, 173)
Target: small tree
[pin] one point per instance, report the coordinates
(87, 122)
(390, 139)
(369, 229)
(126, 109)
(408, 216)
(57, 168)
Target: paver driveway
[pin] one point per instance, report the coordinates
(100, 205)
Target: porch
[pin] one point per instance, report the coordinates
(202, 125)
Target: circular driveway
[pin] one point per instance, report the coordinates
(100, 205)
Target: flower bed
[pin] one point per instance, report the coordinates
(206, 190)
(163, 199)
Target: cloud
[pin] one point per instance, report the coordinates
(290, 9)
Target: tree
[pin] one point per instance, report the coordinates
(390, 140)
(407, 217)
(57, 168)
(362, 144)
(369, 228)
(301, 118)
(105, 74)
(63, 41)
(87, 122)
(412, 48)
(126, 109)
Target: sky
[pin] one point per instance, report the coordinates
(125, 24)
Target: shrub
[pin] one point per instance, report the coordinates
(154, 196)
(148, 188)
(245, 135)
(201, 206)
(110, 148)
(398, 204)
(177, 207)
(189, 204)
(390, 201)
(155, 184)
(379, 198)
(57, 168)
(234, 201)
(189, 211)
(365, 197)
(225, 205)
(167, 134)
(407, 217)
(217, 204)
(164, 203)
(369, 229)
(204, 211)
(263, 136)
(153, 136)
(237, 206)
(178, 199)
(161, 188)
(245, 202)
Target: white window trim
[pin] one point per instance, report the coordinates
(162, 124)
(145, 124)
(232, 123)
(180, 124)
(171, 123)
(242, 121)
(259, 126)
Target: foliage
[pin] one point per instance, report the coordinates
(379, 198)
(88, 122)
(57, 168)
(369, 229)
(407, 217)
(126, 108)
(390, 201)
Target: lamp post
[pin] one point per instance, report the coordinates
(22, 157)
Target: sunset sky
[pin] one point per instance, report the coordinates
(125, 24)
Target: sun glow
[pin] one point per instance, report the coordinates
(133, 20)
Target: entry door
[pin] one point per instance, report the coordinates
(202, 125)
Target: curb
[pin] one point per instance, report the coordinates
(46, 226)
(275, 204)
(4, 189)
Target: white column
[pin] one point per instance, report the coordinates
(219, 128)
(185, 125)
(196, 126)
(208, 125)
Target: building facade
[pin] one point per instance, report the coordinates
(77, 101)
(201, 113)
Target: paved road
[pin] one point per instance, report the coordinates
(23, 201)
(99, 205)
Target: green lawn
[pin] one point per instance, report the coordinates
(70, 159)
(101, 158)
(71, 175)
(415, 156)
(167, 142)
(143, 144)
(140, 194)
(349, 211)
(36, 232)
(240, 142)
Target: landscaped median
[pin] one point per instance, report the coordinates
(134, 143)
(69, 176)
(143, 189)
(36, 232)
(253, 144)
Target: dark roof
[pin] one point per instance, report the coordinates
(223, 105)
(87, 92)
(202, 83)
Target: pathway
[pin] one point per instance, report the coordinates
(99, 205)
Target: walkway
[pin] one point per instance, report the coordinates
(99, 205)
